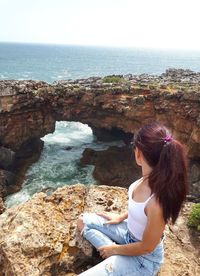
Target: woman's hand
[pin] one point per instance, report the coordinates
(112, 218)
(108, 250)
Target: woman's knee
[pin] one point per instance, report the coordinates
(80, 224)
(89, 220)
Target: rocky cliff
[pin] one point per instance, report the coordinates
(29, 110)
(40, 237)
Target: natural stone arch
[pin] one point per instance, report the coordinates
(29, 109)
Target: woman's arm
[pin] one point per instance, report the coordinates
(113, 218)
(151, 237)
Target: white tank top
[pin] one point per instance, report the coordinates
(137, 218)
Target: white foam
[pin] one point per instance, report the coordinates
(17, 198)
(70, 133)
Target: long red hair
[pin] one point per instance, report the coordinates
(168, 179)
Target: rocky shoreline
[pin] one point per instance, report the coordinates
(114, 105)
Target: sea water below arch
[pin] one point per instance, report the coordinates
(59, 163)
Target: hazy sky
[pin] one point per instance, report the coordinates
(138, 23)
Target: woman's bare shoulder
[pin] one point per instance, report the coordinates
(154, 208)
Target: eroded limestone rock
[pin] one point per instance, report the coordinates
(40, 238)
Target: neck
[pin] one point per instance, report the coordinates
(146, 169)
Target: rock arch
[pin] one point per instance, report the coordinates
(29, 110)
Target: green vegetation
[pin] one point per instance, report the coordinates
(113, 79)
(194, 217)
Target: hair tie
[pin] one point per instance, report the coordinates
(168, 138)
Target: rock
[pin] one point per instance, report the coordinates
(2, 206)
(7, 158)
(115, 166)
(194, 175)
(28, 148)
(195, 172)
(6, 180)
(89, 157)
(68, 148)
(182, 248)
(16, 164)
(112, 134)
(39, 237)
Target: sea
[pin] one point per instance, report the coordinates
(59, 163)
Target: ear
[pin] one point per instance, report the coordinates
(138, 156)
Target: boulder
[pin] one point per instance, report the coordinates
(114, 166)
(39, 237)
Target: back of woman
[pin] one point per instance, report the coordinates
(132, 243)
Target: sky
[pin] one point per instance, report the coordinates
(171, 24)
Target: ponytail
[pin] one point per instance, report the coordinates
(168, 178)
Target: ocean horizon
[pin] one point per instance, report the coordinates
(51, 62)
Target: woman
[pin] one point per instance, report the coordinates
(132, 243)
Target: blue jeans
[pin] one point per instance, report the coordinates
(99, 234)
